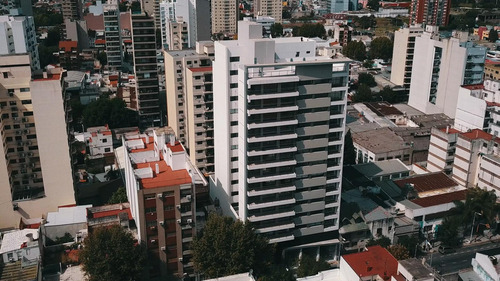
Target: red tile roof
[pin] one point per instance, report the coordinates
(450, 130)
(375, 261)
(166, 177)
(110, 213)
(441, 198)
(100, 41)
(56, 76)
(474, 87)
(201, 69)
(428, 182)
(479, 134)
(176, 148)
(94, 22)
(67, 45)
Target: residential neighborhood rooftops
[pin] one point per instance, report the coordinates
(441, 198)
(68, 215)
(479, 134)
(379, 168)
(415, 267)
(383, 108)
(374, 261)
(379, 140)
(428, 182)
(16, 239)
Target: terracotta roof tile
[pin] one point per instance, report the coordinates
(375, 261)
(428, 182)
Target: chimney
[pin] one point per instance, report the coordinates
(44, 75)
(172, 140)
(447, 129)
(121, 206)
(157, 168)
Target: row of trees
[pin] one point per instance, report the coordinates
(105, 110)
(380, 48)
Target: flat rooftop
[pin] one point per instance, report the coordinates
(383, 108)
(416, 268)
(380, 168)
(380, 140)
(433, 120)
(440, 199)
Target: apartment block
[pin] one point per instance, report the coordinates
(176, 65)
(441, 66)
(161, 184)
(18, 36)
(280, 126)
(472, 148)
(151, 106)
(152, 9)
(35, 167)
(224, 15)
(69, 57)
(72, 9)
(269, 8)
(492, 71)
(430, 12)
(478, 107)
(442, 149)
(337, 6)
(402, 55)
(112, 35)
(100, 140)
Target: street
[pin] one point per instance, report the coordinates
(461, 259)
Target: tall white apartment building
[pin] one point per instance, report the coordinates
(112, 34)
(269, 8)
(279, 118)
(18, 36)
(224, 15)
(440, 67)
(35, 165)
(402, 55)
(478, 107)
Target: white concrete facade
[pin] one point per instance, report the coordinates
(175, 14)
(278, 107)
(18, 36)
(442, 150)
(402, 55)
(440, 67)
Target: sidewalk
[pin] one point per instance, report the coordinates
(481, 239)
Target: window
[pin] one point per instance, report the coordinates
(234, 59)
(233, 85)
(24, 90)
(26, 101)
(107, 149)
(104, 140)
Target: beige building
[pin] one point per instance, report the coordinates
(492, 71)
(442, 149)
(35, 167)
(225, 15)
(402, 55)
(72, 9)
(176, 65)
(270, 8)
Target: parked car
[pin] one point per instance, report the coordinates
(446, 249)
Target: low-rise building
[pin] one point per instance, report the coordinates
(380, 144)
(492, 71)
(100, 140)
(21, 255)
(384, 170)
(414, 269)
(71, 220)
(107, 215)
(69, 57)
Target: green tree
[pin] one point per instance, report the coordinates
(448, 231)
(109, 111)
(373, 4)
(276, 30)
(409, 242)
(309, 266)
(53, 37)
(355, 50)
(122, 6)
(364, 94)
(365, 22)
(382, 241)
(103, 58)
(225, 247)
(388, 95)
(493, 35)
(46, 54)
(368, 64)
(312, 30)
(349, 153)
(367, 79)
(480, 201)
(381, 48)
(119, 196)
(399, 251)
(278, 272)
(110, 253)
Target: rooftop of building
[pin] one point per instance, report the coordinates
(374, 261)
(449, 130)
(54, 73)
(383, 108)
(17, 271)
(379, 168)
(378, 213)
(380, 140)
(67, 215)
(407, 110)
(235, 277)
(440, 199)
(476, 134)
(474, 87)
(428, 182)
(416, 268)
(432, 120)
(17, 239)
(109, 210)
(68, 45)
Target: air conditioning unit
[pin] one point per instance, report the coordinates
(32, 165)
(19, 143)
(34, 176)
(153, 241)
(25, 119)
(162, 223)
(180, 259)
(27, 187)
(188, 197)
(27, 131)
(178, 206)
(163, 248)
(19, 132)
(30, 154)
(189, 221)
(179, 221)
(159, 195)
(153, 228)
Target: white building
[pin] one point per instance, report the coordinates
(280, 127)
(402, 55)
(440, 67)
(35, 167)
(478, 107)
(442, 150)
(485, 267)
(20, 244)
(18, 36)
(178, 24)
(100, 140)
